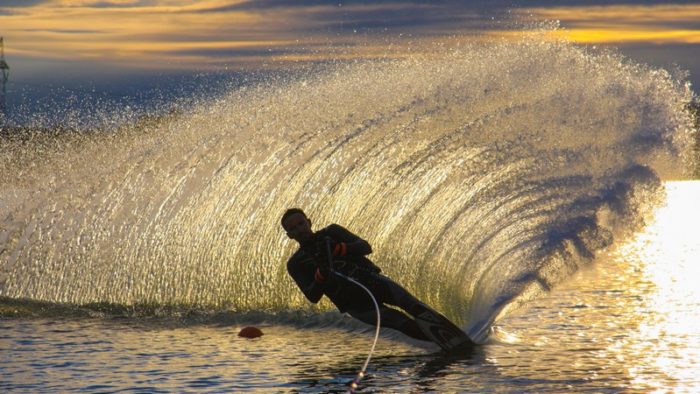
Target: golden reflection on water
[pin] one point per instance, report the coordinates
(628, 324)
(668, 338)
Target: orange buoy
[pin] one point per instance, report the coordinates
(250, 332)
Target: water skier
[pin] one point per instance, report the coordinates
(309, 267)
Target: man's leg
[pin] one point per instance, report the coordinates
(390, 292)
(439, 328)
(390, 318)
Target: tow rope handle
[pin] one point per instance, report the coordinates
(329, 254)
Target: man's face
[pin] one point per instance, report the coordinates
(298, 227)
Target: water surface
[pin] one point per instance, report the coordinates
(624, 324)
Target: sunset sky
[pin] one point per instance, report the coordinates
(62, 40)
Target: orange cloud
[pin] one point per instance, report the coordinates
(120, 31)
(209, 33)
(660, 24)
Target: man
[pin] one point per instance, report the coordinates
(309, 267)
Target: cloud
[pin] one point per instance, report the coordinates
(419, 17)
(16, 7)
(239, 52)
(267, 6)
(65, 31)
(322, 16)
(22, 3)
(660, 23)
(456, 5)
(188, 33)
(121, 4)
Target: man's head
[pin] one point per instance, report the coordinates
(297, 225)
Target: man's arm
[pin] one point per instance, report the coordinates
(353, 245)
(302, 269)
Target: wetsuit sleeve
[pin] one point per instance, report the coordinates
(302, 270)
(355, 246)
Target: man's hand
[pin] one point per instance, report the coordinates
(339, 249)
(319, 277)
(326, 249)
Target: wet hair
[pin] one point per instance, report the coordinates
(289, 212)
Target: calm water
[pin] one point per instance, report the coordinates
(625, 324)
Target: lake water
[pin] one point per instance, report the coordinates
(626, 323)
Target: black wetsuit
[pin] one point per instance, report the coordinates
(347, 296)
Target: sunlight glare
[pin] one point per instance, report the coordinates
(668, 336)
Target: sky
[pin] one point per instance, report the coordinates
(50, 42)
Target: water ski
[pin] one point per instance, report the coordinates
(443, 332)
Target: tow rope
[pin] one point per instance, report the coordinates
(361, 374)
